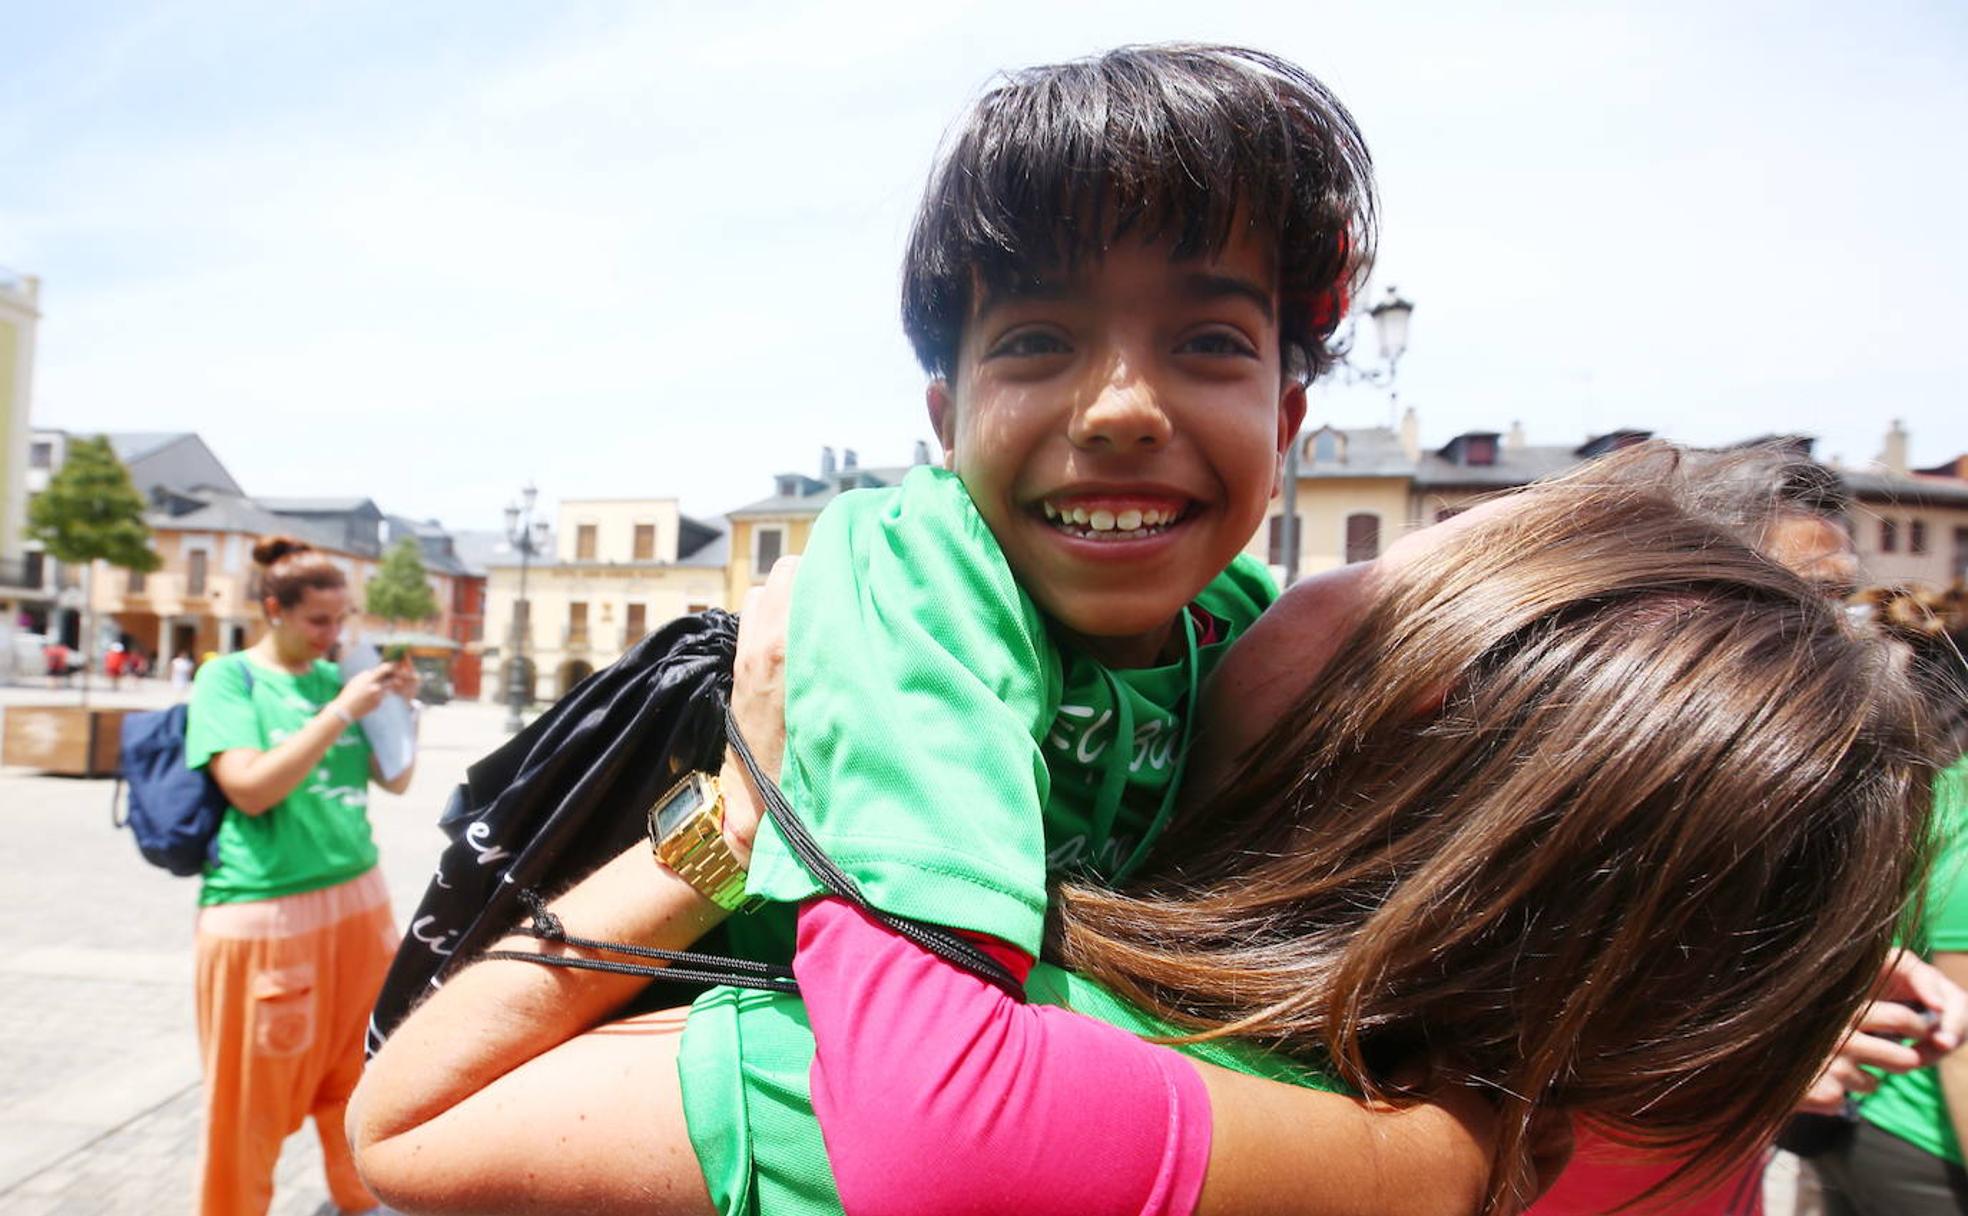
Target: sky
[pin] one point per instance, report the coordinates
(431, 252)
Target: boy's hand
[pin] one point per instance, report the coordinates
(758, 700)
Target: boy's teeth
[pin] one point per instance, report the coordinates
(1133, 522)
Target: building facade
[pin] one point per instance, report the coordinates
(764, 531)
(614, 570)
(1360, 489)
(20, 314)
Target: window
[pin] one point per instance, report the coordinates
(1362, 538)
(136, 583)
(1917, 536)
(1275, 545)
(577, 623)
(1480, 450)
(34, 568)
(1889, 536)
(1326, 447)
(584, 543)
(1961, 553)
(195, 572)
(645, 542)
(637, 624)
(41, 455)
(693, 609)
(767, 544)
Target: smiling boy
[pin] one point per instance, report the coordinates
(1122, 275)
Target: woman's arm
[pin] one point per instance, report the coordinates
(1953, 1067)
(255, 781)
(1059, 1115)
(504, 1091)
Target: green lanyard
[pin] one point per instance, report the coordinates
(1113, 783)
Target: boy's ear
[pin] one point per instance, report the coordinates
(943, 418)
(1291, 416)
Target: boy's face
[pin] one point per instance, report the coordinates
(1121, 430)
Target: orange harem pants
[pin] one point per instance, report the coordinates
(284, 991)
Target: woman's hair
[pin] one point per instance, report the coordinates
(1598, 809)
(1187, 143)
(290, 568)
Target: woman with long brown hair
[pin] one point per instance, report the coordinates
(294, 925)
(1595, 810)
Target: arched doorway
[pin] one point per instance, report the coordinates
(527, 680)
(572, 672)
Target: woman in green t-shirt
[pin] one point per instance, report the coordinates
(294, 926)
(1904, 1155)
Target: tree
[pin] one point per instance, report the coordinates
(401, 590)
(91, 512)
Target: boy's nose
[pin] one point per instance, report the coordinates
(1123, 413)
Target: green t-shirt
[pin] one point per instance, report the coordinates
(319, 834)
(942, 748)
(948, 755)
(1911, 1105)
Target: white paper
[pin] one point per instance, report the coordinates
(391, 728)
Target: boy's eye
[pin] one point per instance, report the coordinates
(1217, 342)
(1028, 343)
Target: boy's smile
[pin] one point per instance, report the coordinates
(1120, 430)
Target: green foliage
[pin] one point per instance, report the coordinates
(91, 511)
(401, 590)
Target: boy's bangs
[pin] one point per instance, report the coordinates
(1194, 146)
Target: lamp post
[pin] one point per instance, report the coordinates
(1390, 320)
(528, 536)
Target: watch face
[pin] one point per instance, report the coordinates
(680, 806)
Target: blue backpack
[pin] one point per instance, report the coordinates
(174, 810)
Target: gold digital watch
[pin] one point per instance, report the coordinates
(686, 831)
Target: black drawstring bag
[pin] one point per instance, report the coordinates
(571, 791)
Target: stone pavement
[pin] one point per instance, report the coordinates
(99, 1087)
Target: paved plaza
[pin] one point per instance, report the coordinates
(99, 1089)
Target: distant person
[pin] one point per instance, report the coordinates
(115, 663)
(294, 925)
(181, 669)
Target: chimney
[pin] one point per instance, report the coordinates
(849, 463)
(922, 452)
(1515, 439)
(1410, 434)
(1894, 456)
(826, 462)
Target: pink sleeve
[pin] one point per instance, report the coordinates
(938, 1093)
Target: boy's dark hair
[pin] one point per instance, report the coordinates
(1180, 142)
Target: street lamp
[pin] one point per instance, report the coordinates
(529, 537)
(1390, 321)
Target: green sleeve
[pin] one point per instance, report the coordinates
(1947, 892)
(919, 682)
(221, 713)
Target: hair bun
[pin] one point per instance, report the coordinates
(273, 548)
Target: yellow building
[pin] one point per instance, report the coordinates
(764, 531)
(615, 569)
(20, 314)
